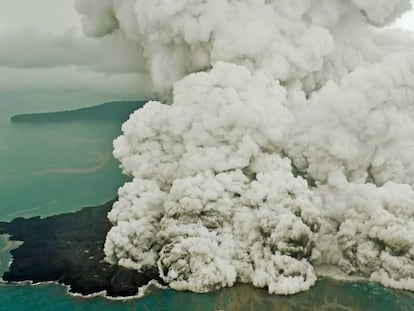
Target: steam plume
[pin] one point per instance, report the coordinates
(288, 141)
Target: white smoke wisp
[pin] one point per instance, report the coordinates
(288, 141)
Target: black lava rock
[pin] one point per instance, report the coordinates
(68, 249)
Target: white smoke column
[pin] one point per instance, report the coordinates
(288, 142)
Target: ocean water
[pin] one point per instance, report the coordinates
(54, 168)
(328, 295)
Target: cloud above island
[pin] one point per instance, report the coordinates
(69, 49)
(44, 58)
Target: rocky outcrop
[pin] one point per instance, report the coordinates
(68, 249)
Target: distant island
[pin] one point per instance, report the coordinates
(118, 110)
(68, 249)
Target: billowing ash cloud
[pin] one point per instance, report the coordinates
(288, 142)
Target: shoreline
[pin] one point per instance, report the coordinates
(68, 251)
(153, 284)
(116, 110)
(142, 291)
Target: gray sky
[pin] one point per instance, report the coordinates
(57, 16)
(45, 59)
(44, 53)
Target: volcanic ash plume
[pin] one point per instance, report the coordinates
(287, 142)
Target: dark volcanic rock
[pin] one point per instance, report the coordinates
(125, 283)
(68, 249)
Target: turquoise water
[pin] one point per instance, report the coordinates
(49, 169)
(326, 296)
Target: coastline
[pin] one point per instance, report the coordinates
(142, 291)
(329, 290)
(19, 271)
(117, 110)
(68, 249)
